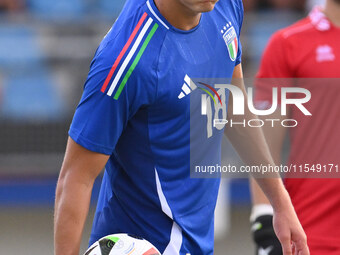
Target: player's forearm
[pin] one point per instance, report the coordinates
(251, 145)
(257, 195)
(71, 209)
(276, 193)
(274, 138)
(252, 148)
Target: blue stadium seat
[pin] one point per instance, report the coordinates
(110, 7)
(31, 95)
(52, 8)
(19, 47)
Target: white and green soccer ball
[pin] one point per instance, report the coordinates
(122, 244)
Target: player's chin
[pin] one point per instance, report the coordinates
(206, 5)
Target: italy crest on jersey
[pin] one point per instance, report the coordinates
(230, 38)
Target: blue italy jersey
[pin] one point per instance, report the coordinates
(136, 108)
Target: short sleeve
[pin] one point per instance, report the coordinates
(273, 68)
(100, 117)
(239, 54)
(240, 23)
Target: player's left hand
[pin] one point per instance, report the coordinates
(290, 232)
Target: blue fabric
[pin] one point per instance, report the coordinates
(148, 129)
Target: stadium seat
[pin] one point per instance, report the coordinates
(110, 7)
(60, 8)
(31, 95)
(19, 47)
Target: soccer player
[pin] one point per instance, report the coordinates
(134, 120)
(308, 49)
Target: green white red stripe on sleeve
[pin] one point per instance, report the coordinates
(131, 57)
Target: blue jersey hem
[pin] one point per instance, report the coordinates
(87, 144)
(238, 62)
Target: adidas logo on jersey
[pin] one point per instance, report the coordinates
(187, 88)
(324, 53)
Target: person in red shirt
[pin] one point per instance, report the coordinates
(308, 49)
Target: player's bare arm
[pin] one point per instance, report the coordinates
(78, 173)
(252, 148)
(262, 211)
(274, 138)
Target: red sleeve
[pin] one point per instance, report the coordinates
(274, 66)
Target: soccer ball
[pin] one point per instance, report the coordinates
(122, 244)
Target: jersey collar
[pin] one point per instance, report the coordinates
(159, 17)
(319, 19)
(154, 11)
